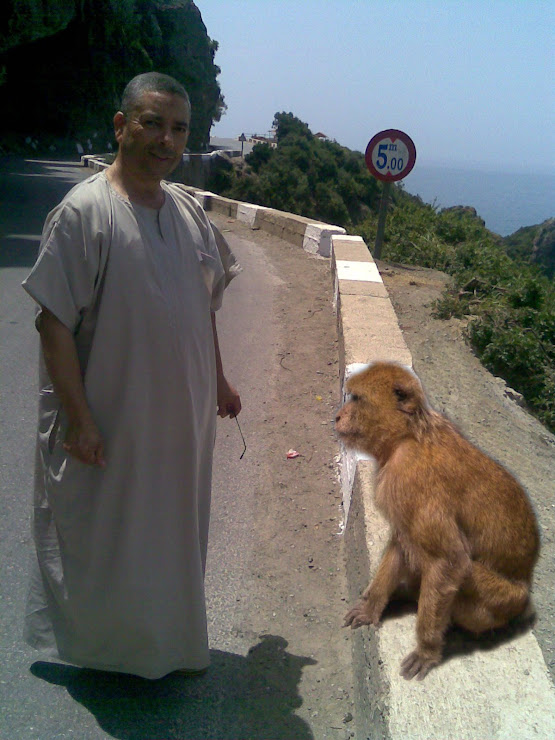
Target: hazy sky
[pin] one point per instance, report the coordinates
(471, 81)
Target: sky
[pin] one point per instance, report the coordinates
(470, 81)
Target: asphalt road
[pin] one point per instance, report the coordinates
(41, 699)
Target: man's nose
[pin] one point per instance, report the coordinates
(166, 136)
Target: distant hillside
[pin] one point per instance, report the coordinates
(501, 287)
(534, 244)
(64, 64)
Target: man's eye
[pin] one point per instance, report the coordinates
(150, 124)
(181, 129)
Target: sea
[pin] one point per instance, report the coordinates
(506, 201)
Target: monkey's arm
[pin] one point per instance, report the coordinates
(374, 600)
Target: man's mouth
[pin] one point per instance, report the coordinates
(162, 157)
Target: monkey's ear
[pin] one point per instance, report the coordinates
(407, 400)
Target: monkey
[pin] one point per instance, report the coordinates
(464, 538)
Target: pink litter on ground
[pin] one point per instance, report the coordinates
(293, 453)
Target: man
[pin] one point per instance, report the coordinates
(128, 279)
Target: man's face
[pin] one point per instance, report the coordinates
(153, 136)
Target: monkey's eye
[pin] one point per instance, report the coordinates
(354, 397)
(401, 394)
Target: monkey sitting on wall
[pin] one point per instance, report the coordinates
(464, 537)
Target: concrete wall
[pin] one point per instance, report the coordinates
(314, 237)
(194, 169)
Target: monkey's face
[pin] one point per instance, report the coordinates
(383, 403)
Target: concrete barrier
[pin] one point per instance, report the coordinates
(248, 214)
(501, 693)
(317, 238)
(95, 162)
(303, 232)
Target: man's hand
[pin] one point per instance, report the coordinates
(83, 439)
(229, 401)
(84, 442)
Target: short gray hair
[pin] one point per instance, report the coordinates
(150, 82)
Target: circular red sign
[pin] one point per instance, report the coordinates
(390, 155)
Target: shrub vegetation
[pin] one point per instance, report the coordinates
(509, 302)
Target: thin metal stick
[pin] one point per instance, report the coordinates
(241, 433)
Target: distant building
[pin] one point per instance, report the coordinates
(232, 146)
(322, 136)
(257, 139)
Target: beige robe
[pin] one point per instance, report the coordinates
(121, 552)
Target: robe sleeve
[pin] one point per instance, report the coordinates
(65, 274)
(231, 268)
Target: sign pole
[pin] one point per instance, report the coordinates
(390, 156)
(381, 220)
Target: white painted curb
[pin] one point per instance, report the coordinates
(317, 238)
(247, 213)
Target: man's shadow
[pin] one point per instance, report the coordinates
(239, 697)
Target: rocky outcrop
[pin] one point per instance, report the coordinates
(22, 21)
(464, 211)
(188, 53)
(67, 64)
(535, 244)
(543, 249)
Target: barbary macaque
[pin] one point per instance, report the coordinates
(464, 538)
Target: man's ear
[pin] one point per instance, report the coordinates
(119, 123)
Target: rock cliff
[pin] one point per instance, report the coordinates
(543, 249)
(22, 21)
(65, 64)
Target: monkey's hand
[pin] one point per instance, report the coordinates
(363, 613)
(418, 664)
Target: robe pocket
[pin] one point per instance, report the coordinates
(72, 493)
(54, 432)
(50, 418)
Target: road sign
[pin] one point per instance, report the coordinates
(390, 155)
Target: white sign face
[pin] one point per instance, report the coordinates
(390, 155)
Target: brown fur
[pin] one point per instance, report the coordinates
(464, 536)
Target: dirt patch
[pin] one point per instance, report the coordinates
(485, 410)
(298, 573)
